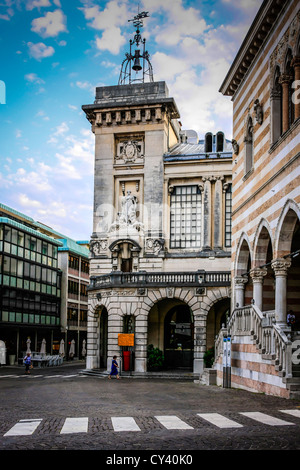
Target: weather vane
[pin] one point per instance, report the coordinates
(133, 61)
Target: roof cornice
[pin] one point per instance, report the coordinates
(258, 32)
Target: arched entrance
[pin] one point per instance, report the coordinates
(243, 285)
(171, 329)
(263, 256)
(217, 316)
(179, 338)
(289, 250)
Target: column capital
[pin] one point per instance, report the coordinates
(296, 61)
(280, 266)
(240, 280)
(285, 78)
(257, 274)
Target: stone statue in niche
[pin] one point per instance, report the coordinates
(128, 215)
(235, 146)
(258, 111)
(129, 205)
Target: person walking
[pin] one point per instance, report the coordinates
(27, 362)
(114, 368)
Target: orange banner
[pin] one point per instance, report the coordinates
(125, 339)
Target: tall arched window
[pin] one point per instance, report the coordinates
(289, 70)
(220, 142)
(276, 107)
(208, 142)
(249, 146)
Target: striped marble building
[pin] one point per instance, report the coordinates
(263, 82)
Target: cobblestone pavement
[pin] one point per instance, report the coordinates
(53, 395)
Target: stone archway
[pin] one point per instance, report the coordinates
(171, 329)
(262, 273)
(216, 317)
(242, 286)
(288, 259)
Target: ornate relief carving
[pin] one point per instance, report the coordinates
(154, 245)
(130, 151)
(289, 39)
(99, 247)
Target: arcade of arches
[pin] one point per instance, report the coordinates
(267, 272)
(183, 332)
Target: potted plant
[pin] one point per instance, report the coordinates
(209, 356)
(155, 358)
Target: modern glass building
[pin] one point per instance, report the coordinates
(30, 284)
(43, 287)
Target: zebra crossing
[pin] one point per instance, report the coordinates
(27, 427)
(39, 376)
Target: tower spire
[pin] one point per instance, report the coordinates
(137, 62)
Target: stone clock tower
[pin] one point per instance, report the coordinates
(135, 124)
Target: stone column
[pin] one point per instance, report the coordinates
(280, 267)
(239, 284)
(206, 224)
(218, 212)
(141, 325)
(257, 275)
(296, 65)
(285, 81)
(199, 343)
(115, 326)
(93, 355)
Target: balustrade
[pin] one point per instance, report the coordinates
(269, 337)
(142, 279)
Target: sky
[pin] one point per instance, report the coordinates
(54, 53)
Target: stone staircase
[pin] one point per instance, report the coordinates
(164, 375)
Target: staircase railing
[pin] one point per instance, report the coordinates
(271, 341)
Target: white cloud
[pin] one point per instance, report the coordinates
(50, 25)
(25, 201)
(66, 168)
(31, 4)
(114, 14)
(108, 20)
(42, 115)
(85, 86)
(111, 40)
(33, 78)
(40, 50)
(31, 180)
(53, 209)
(60, 130)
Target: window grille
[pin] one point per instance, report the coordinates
(185, 217)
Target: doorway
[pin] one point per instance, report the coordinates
(179, 338)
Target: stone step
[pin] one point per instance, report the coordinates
(180, 375)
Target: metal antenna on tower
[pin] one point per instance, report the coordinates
(139, 63)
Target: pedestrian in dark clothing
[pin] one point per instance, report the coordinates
(114, 368)
(27, 362)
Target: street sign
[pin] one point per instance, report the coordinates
(227, 362)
